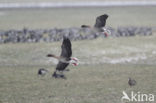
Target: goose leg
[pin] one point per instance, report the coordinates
(55, 75)
(62, 75)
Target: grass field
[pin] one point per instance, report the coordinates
(86, 84)
(105, 65)
(69, 17)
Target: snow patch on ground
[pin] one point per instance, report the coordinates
(132, 59)
(126, 59)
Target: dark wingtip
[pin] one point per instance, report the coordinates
(106, 15)
(66, 38)
(50, 55)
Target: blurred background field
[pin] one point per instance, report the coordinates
(105, 63)
(75, 17)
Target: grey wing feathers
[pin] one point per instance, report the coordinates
(66, 53)
(101, 21)
(66, 48)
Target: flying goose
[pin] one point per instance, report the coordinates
(99, 25)
(64, 59)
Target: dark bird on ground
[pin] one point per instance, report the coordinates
(64, 59)
(99, 24)
(131, 82)
(42, 71)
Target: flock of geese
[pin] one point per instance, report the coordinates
(66, 58)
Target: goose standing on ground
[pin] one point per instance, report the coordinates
(99, 25)
(64, 59)
(131, 82)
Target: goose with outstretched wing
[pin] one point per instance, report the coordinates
(64, 59)
(99, 25)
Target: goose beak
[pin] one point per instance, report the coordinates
(75, 64)
(74, 61)
(106, 32)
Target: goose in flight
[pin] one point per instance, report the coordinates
(64, 59)
(99, 25)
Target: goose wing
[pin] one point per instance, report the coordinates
(66, 48)
(66, 53)
(101, 21)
